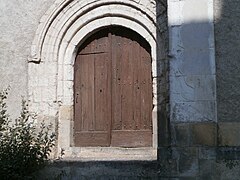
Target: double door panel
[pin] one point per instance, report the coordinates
(113, 91)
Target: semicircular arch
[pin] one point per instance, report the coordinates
(62, 15)
(61, 31)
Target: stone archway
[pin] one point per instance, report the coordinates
(61, 31)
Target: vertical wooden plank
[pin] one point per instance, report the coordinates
(126, 76)
(146, 99)
(150, 92)
(79, 88)
(99, 93)
(91, 90)
(102, 88)
(131, 122)
(143, 92)
(116, 82)
(108, 92)
(137, 86)
(84, 93)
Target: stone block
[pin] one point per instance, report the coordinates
(187, 158)
(48, 94)
(229, 134)
(207, 169)
(168, 168)
(37, 94)
(228, 108)
(66, 113)
(164, 153)
(227, 56)
(174, 11)
(203, 134)
(197, 49)
(68, 72)
(225, 172)
(193, 88)
(181, 134)
(64, 134)
(228, 153)
(188, 167)
(229, 94)
(43, 108)
(196, 111)
(207, 153)
(184, 152)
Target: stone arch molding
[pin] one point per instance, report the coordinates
(61, 30)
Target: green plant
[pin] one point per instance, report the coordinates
(4, 117)
(24, 148)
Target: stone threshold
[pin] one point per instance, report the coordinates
(109, 154)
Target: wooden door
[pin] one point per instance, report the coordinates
(113, 90)
(93, 92)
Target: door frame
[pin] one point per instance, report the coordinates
(117, 153)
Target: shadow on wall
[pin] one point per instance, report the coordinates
(227, 42)
(164, 136)
(199, 137)
(102, 170)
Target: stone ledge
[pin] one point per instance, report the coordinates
(109, 154)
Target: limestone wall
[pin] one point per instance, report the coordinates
(196, 88)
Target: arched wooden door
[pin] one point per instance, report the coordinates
(113, 90)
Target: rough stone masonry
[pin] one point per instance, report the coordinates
(194, 47)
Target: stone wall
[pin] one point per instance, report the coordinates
(196, 88)
(192, 61)
(203, 98)
(227, 29)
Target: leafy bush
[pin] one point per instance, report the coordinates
(24, 148)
